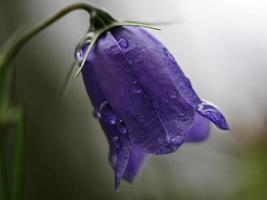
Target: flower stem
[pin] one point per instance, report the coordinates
(7, 54)
(4, 192)
(18, 173)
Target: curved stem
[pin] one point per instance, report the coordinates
(6, 56)
(103, 30)
(12, 51)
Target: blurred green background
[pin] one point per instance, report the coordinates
(222, 47)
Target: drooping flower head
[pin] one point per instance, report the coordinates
(142, 99)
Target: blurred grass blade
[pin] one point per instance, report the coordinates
(18, 184)
(4, 192)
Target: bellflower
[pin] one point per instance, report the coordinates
(142, 99)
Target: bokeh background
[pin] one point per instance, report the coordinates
(220, 44)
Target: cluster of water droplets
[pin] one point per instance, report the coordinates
(106, 114)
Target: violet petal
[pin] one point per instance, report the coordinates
(136, 161)
(160, 74)
(151, 120)
(120, 145)
(199, 131)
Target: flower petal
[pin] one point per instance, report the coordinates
(158, 71)
(144, 115)
(120, 145)
(213, 114)
(135, 163)
(199, 131)
(122, 158)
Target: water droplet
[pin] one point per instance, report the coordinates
(82, 47)
(107, 113)
(204, 107)
(97, 114)
(123, 43)
(79, 56)
(178, 140)
(136, 88)
(115, 138)
(116, 142)
(121, 127)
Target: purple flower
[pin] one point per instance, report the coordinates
(143, 100)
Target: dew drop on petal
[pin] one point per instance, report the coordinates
(201, 107)
(112, 121)
(121, 127)
(116, 142)
(79, 56)
(123, 43)
(136, 88)
(115, 138)
(81, 49)
(178, 140)
(107, 113)
(97, 114)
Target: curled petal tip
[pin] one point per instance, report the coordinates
(213, 114)
(225, 126)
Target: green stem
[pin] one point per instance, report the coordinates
(7, 54)
(18, 184)
(4, 192)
